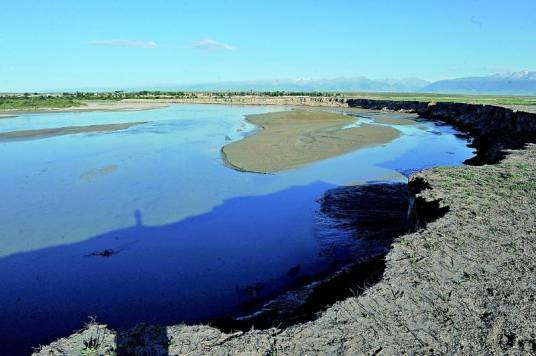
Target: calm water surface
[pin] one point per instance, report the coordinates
(189, 238)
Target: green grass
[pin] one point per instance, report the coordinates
(475, 99)
(36, 102)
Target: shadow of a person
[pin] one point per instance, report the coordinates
(137, 217)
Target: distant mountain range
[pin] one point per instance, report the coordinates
(518, 83)
(307, 85)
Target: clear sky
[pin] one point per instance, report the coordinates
(60, 44)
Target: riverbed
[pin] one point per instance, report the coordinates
(147, 224)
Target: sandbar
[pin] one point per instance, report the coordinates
(89, 106)
(290, 139)
(60, 131)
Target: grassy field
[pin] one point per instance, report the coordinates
(475, 99)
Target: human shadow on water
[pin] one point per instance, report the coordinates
(228, 261)
(138, 218)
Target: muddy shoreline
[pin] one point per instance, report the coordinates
(457, 284)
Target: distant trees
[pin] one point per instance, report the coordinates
(65, 99)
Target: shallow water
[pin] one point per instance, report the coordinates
(147, 224)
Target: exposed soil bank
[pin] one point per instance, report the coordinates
(292, 138)
(493, 128)
(464, 285)
(60, 131)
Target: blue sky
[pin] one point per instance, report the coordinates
(49, 45)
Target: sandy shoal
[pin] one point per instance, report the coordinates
(293, 138)
(59, 131)
(88, 106)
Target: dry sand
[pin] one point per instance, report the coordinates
(50, 132)
(293, 138)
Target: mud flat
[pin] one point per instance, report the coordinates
(60, 131)
(388, 119)
(292, 138)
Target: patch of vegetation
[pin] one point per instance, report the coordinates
(36, 101)
(92, 344)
